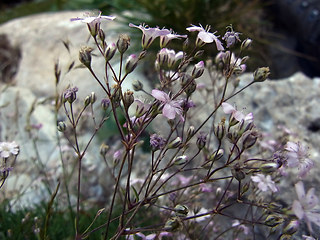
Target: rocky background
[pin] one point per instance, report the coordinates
(31, 46)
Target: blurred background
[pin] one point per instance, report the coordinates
(286, 33)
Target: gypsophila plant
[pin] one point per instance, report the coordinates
(205, 173)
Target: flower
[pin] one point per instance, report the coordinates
(238, 115)
(170, 107)
(165, 39)
(205, 36)
(70, 94)
(264, 182)
(304, 207)
(93, 22)
(157, 142)
(297, 156)
(150, 34)
(7, 148)
(231, 37)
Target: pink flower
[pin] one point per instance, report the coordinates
(7, 148)
(304, 207)
(297, 156)
(170, 107)
(205, 36)
(150, 34)
(264, 182)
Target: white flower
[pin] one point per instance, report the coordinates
(150, 34)
(264, 182)
(93, 22)
(238, 115)
(7, 148)
(304, 207)
(205, 36)
(297, 156)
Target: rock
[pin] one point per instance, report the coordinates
(26, 100)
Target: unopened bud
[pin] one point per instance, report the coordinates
(198, 69)
(175, 143)
(190, 132)
(216, 155)
(101, 34)
(181, 210)
(269, 167)
(199, 53)
(104, 148)
(180, 160)
(172, 224)
(201, 140)
(128, 98)
(93, 98)
(85, 56)
(246, 44)
(137, 85)
(220, 130)
(292, 227)
(273, 220)
(131, 63)
(110, 51)
(61, 126)
(87, 100)
(105, 102)
(261, 74)
(238, 173)
(123, 43)
(250, 139)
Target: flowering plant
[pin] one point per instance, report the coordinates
(184, 162)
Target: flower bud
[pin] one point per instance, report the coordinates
(273, 220)
(93, 98)
(137, 85)
(190, 132)
(172, 224)
(198, 53)
(216, 155)
(70, 95)
(85, 56)
(87, 100)
(142, 54)
(201, 140)
(104, 148)
(246, 44)
(180, 160)
(292, 227)
(269, 167)
(261, 74)
(61, 126)
(250, 139)
(181, 210)
(238, 173)
(105, 102)
(162, 56)
(110, 51)
(198, 69)
(220, 130)
(123, 43)
(101, 35)
(175, 143)
(131, 63)
(128, 98)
